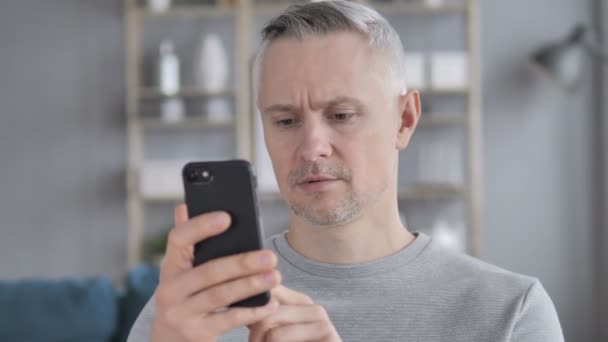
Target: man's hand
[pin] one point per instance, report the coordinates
(298, 318)
(188, 298)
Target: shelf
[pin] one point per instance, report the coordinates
(431, 192)
(273, 198)
(270, 197)
(270, 8)
(198, 11)
(155, 93)
(404, 8)
(157, 123)
(278, 7)
(419, 192)
(160, 199)
(385, 8)
(445, 91)
(432, 120)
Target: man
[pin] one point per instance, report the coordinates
(336, 113)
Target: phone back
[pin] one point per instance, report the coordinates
(227, 186)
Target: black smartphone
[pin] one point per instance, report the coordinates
(229, 186)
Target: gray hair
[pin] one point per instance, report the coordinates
(325, 17)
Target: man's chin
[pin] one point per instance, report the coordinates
(315, 218)
(325, 210)
(322, 218)
(321, 199)
(314, 203)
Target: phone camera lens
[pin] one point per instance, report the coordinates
(198, 175)
(192, 175)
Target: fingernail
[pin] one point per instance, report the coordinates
(269, 278)
(219, 219)
(265, 259)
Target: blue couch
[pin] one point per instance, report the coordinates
(71, 310)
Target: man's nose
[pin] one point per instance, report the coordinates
(315, 142)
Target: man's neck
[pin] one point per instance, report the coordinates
(374, 235)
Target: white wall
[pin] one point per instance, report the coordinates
(538, 217)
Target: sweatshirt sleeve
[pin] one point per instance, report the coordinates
(141, 330)
(537, 320)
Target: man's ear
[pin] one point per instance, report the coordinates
(409, 108)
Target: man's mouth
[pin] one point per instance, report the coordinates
(317, 183)
(315, 179)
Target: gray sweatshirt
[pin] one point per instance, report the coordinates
(422, 293)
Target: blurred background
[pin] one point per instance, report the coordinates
(102, 103)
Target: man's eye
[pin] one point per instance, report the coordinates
(285, 122)
(342, 116)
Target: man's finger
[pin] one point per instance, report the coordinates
(180, 214)
(316, 331)
(286, 315)
(228, 320)
(221, 270)
(183, 237)
(198, 228)
(292, 314)
(288, 296)
(222, 295)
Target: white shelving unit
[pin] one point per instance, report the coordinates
(243, 13)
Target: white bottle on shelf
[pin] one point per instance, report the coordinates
(211, 74)
(168, 69)
(159, 5)
(211, 63)
(433, 3)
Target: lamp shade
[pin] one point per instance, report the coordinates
(563, 61)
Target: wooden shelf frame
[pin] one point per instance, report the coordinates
(187, 123)
(473, 172)
(417, 8)
(432, 192)
(445, 91)
(197, 11)
(441, 120)
(185, 92)
(136, 93)
(414, 193)
(267, 8)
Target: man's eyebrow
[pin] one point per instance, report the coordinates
(279, 108)
(331, 103)
(344, 99)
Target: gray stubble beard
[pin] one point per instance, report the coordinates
(347, 210)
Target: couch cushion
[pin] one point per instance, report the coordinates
(58, 310)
